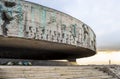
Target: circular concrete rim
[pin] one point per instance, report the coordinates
(40, 49)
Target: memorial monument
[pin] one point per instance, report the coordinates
(33, 31)
(30, 31)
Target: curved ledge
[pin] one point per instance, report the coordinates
(32, 49)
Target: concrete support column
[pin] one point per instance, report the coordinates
(72, 61)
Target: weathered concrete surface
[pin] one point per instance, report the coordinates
(113, 70)
(31, 49)
(52, 72)
(33, 31)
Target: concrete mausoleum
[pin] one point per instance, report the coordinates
(33, 31)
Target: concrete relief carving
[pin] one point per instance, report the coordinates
(43, 24)
(9, 13)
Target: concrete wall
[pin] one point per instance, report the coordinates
(29, 20)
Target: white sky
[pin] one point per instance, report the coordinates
(103, 16)
(101, 58)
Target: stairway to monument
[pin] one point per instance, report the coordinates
(52, 72)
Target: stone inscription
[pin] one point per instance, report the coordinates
(27, 20)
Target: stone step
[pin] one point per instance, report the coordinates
(57, 73)
(52, 72)
(48, 75)
(42, 71)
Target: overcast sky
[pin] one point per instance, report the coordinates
(103, 16)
